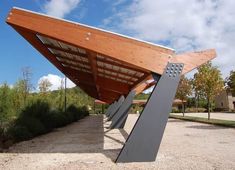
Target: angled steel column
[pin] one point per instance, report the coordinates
(144, 140)
(116, 107)
(108, 110)
(119, 118)
(112, 107)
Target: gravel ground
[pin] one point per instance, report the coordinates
(88, 144)
(219, 115)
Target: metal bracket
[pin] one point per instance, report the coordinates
(144, 140)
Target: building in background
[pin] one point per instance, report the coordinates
(225, 101)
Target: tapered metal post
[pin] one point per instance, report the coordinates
(144, 141)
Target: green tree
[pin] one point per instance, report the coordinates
(196, 87)
(209, 83)
(61, 95)
(18, 95)
(4, 102)
(230, 81)
(183, 91)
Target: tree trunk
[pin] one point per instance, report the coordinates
(183, 108)
(65, 93)
(197, 103)
(208, 108)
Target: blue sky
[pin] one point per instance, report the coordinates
(178, 24)
(17, 53)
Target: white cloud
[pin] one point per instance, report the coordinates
(55, 80)
(59, 8)
(183, 25)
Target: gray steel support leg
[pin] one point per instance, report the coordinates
(119, 118)
(144, 141)
(116, 107)
(109, 109)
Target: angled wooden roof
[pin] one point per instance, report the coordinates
(104, 64)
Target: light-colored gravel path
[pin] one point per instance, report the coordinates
(215, 115)
(87, 144)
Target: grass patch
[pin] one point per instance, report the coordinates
(218, 122)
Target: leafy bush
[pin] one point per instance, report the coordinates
(175, 110)
(19, 133)
(59, 119)
(39, 110)
(1, 133)
(37, 118)
(34, 125)
(83, 112)
(75, 113)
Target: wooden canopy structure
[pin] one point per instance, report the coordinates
(113, 68)
(105, 65)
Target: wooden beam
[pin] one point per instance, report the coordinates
(193, 60)
(93, 64)
(144, 55)
(144, 86)
(105, 95)
(89, 90)
(107, 100)
(79, 75)
(145, 78)
(113, 85)
(110, 94)
(102, 82)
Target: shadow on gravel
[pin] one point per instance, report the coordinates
(84, 136)
(175, 120)
(209, 127)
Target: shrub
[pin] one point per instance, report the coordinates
(34, 125)
(41, 110)
(59, 119)
(175, 110)
(36, 109)
(1, 134)
(19, 133)
(84, 111)
(73, 112)
(37, 118)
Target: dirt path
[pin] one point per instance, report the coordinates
(88, 144)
